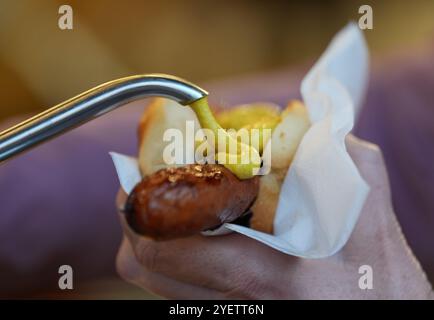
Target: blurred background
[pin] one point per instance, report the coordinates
(41, 65)
(203, 41)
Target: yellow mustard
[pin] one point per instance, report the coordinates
(237, 119)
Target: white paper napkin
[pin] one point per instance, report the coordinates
(323, 193)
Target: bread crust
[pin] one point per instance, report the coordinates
(285, 140)
(160, 115)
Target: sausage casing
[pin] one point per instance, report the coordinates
(182, 201)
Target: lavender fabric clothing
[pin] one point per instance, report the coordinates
(57, 201)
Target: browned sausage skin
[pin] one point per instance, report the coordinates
(182, 201)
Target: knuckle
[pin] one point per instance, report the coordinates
(147, 254)
(122, 269)
(245, 284)
(374, 152)
(365, 154)
(357, 145)
(124, 265)
(121, 198)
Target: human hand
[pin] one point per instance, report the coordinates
(235, 266)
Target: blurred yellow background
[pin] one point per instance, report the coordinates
(41, 65)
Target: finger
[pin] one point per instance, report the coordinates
(132, 271)
(366, 156)
(228, 264)
(148, 278)
(369, 160)
(377, 219)
(192, 260)
(121, 198)
(232, 264)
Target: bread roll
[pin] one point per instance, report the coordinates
(285, 139)
(163, 114)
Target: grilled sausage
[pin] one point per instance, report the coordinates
(182, 201)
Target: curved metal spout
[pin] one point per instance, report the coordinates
(92, 104)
